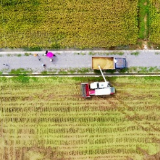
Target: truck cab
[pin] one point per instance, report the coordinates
(120, 63)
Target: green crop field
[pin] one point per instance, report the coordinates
(47, 119)
(69, 23)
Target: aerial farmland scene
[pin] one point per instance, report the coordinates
(80, 80)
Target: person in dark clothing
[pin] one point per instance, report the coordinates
(38, 57)
(46, 52)
(44, 65)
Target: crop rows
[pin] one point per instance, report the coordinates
(68, 24)
(49, 114)
(154, 19)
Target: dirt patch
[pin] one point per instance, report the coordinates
(145, 47)
(33, 153)
(152, 157)
(43, 153)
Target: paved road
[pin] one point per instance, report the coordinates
(73, 59)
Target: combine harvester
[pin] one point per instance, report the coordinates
(97, 88)
(102, 88)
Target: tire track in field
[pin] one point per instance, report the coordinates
(132, 118)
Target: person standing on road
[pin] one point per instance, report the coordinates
(38, 57)
(46, 53)
(44, 65)
(49, 53)
(6, 65)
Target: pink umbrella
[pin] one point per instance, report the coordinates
(50, 54)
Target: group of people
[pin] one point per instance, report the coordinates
(48, 54)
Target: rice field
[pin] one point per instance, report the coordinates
(154, 21)
(68, 24)
(46, 118)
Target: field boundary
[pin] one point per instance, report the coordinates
(81, 75)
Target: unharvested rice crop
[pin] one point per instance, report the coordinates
(154, 21)
(69, 23)
(46, 118)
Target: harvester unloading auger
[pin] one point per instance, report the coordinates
(97, 88)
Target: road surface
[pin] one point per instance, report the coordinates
(66, 60)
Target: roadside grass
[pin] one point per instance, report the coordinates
(44, 72)
(72, 71)
(107, 53)
(32, 48)
(27, 54)
(97, 71)
(81, 53)
(135, 53)
(124, 70)
(62, 71)
(9, 55)
(20, 71)
(19, 55)
(83, 70)
(157, 53)
(110, 71)
(134, 69)
(21, 79)
(42, 114)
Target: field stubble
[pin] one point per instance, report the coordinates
(47, 117)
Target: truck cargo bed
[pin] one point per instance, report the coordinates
(104, 62)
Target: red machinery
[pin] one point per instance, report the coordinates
(97, 88)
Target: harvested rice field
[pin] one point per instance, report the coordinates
(46, 118)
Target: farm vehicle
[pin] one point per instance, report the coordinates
(108, 63)
(102, 88)
(97, 88)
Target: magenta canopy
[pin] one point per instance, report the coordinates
(50, 54)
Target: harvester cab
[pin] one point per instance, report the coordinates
(97, 88)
